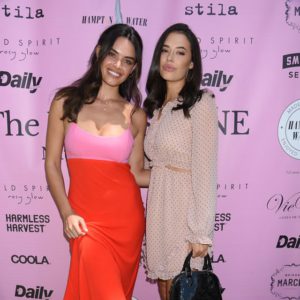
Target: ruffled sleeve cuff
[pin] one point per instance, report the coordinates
(192, 238)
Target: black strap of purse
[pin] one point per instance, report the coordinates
(187, 267)
(207, 264)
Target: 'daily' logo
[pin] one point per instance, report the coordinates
(285, 241)
(24, 81)
(218, 79)
(34, 293)
(289, 130)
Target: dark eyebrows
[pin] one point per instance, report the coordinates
(180, 47)
(127, 57)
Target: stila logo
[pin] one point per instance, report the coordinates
(25, 81)
(212, 9)
(22, 13)
(38, 293)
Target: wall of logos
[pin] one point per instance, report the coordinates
(251, 56)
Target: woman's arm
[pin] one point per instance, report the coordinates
(54, 147)
(136, 160)
(201, 214)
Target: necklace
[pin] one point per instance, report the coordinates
(105, 103)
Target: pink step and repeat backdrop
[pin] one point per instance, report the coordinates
(251, 56)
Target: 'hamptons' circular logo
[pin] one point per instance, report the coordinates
(289, 130)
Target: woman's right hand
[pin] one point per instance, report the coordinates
(74, 226)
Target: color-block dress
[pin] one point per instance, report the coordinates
(104, 262)
(181, 199)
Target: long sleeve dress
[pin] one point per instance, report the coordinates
(181, 199)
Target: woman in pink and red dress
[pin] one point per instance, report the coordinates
(103, 135)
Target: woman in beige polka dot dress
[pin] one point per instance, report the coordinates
(181, 147)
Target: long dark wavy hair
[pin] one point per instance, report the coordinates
(84, 90)
(156, 87)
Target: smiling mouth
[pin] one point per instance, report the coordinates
(114, 74)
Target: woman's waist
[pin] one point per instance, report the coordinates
(101, 178)
(95, 167)
(176, 166)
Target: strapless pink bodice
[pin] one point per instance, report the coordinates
(79, 143)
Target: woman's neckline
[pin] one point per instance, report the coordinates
(99, 135)
(161, 110)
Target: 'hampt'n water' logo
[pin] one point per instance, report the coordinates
(289, 130)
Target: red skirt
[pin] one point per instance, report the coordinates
(104, 262)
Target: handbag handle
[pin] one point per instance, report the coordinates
(187, 267)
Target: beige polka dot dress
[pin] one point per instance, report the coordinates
(182, 193)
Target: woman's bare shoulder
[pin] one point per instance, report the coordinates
(57, 108)
(139, 116)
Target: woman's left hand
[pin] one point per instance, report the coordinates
(199, 250)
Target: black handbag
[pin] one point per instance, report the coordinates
(196, 285)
